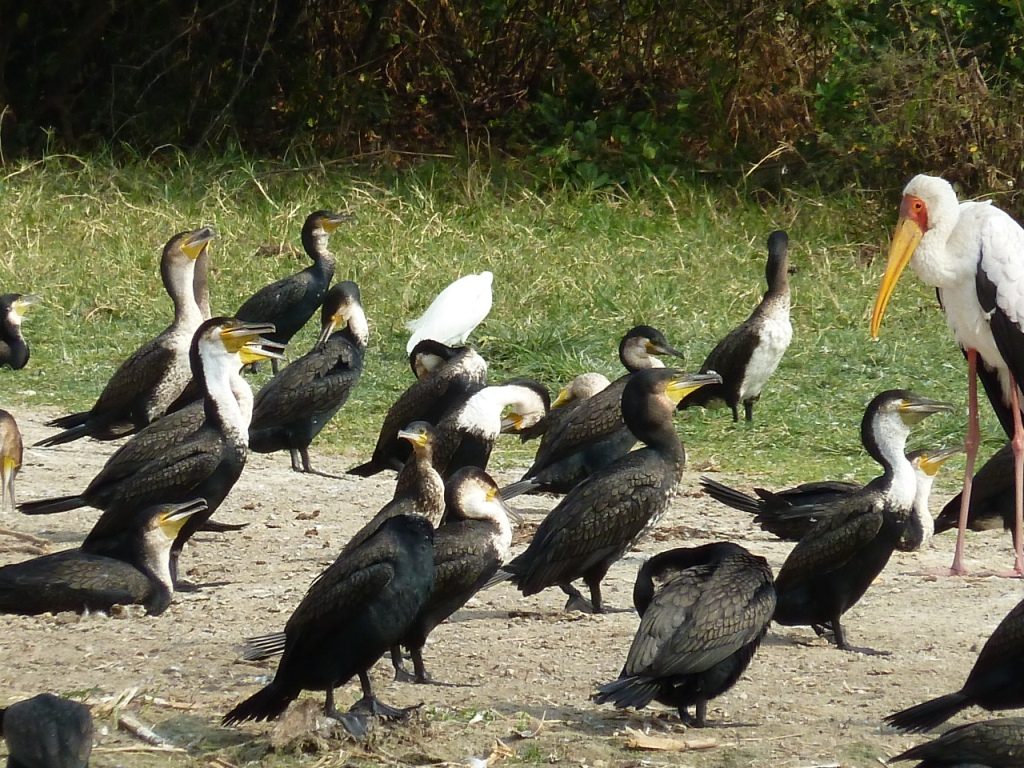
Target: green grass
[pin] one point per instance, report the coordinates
(573, 271)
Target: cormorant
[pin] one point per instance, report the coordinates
(459, 372)
(699, 628)
(833, 565)
(995, 682)
(153, 376)
(603, 516)
(288, 303)
(593, 435)
(991, 504)
(774, 510)
(11, 450)
(469, 546)
(77, 580)
(582, 387)
(454, 313)
(47, 731)
(291, 409)
(14, 351)
(995, 743)
(362, 605)
(205, 464)
(749, 354)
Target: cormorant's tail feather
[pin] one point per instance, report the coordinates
(924, 717)
(632, 691)
(69, 421)
(266, 704)
(517, 488)
(500, 575)
(263, 646)
(51, 506)
(67, 436)
(729, 496)
(368, 469)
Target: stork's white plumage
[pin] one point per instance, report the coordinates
(973, 254)
(456, 311)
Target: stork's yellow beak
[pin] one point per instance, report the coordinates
(904, 242)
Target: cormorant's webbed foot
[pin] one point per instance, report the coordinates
(371, 705)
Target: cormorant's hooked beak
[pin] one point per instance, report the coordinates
(904, 242)
(932, 461)
(915, 408)
(494, 496)
(174, 516)
(564, 396)
(244, 339)
(25, 303)
(416, 438)
(336, 319)
(657, 348)
(683, 384)
(197, 241)
(259, 350)
(330, 222)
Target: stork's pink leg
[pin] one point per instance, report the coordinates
(971, 443)
(1018, 481)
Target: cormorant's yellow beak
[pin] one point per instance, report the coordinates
(236, 335)
(416, 438)
(196, 242)
(680, 386)
(22, 305)
(511, 422)
(904, 242)
(259, 350)
(174, 517)
(931, 462)
(916, 409)
(564, 396)
(330, 222)
(335, 321)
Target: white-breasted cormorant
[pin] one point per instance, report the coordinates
(77, 580)
(47, 731)
(291, 409)
(155, 374)
(593, 435)
(749, 354)
(14, 351)
(288, 303)
(603, 516)
(454, 313)
(836, 561)
(703, 611)
(353, 612)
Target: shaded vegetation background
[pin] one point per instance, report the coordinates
(591, 91)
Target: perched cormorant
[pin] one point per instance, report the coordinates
(996, 681)
(603, 516)
(991, 504)
(749, 354)
(291, 409)
(11, 450)
(454, 313)
(14, 351)
(593, 435)
(468, 549)
(457, 374)
(774, 510)
(582, 387)
(47, 731)
(986, 744)
(362, 605)
(77, 580)
(153, 376)
(467, 433)
(699, 628)
(833, 565)
(205, 464)
(288, 303)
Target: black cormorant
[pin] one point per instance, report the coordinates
(833, 565)
(991, 504)
(153, 376)
(986, 744)
(995, 682)
(205, 464)
(362, 605)
(603, 516)
(47, 731)
(288, 303)
(703, 612)
(11, 450)
(291, 409)
(750, 353)
(14, 351)
(76, 580)
(468, 549)
(456, 374)
(593, 435)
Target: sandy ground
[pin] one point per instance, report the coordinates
(523, 669)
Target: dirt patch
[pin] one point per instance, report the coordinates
(522, 669)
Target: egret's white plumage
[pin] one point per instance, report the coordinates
(455, 313)
(973, 254)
